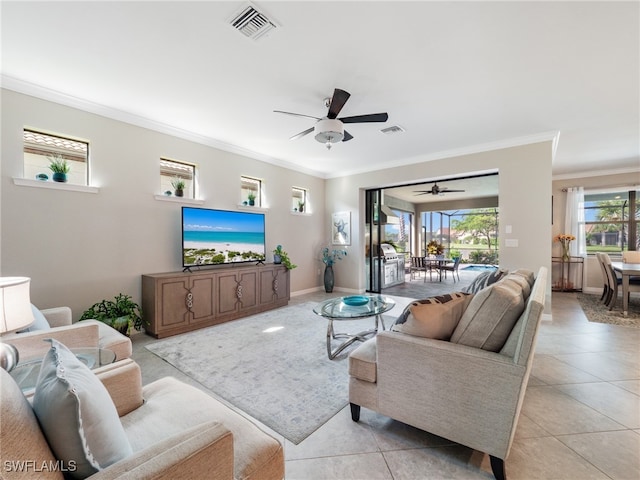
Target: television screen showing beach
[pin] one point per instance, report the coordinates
(211, 237)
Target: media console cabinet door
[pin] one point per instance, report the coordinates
(274, 285)
(203, 293)
(237, 291)
(173, 311)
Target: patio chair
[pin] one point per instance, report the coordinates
(453, 268)
(419, 264)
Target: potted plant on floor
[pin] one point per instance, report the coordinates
(60, 167)
(121, 313)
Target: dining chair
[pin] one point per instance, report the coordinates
(631, 256)
(605, 278)
(418, 264)
(615, 281)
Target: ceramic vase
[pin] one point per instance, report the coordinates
(328, 279)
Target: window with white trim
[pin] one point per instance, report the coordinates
(42, 149)
(612, 220)
(299, 200)
(251, 191)
(175, 174)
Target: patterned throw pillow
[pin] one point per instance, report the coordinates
(484, 280)
(434, 317)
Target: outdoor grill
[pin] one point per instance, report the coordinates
(393, 266)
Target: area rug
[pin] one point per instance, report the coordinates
(596, 311)
(273, 366)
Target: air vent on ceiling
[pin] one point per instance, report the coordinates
(252, 23)
(392, 129)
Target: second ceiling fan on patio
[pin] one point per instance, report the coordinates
(436, 190)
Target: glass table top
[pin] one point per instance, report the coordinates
(354, 306)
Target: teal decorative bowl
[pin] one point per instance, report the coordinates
(356, 300)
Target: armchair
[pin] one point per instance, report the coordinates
(469, 395)
(175, 431)
(57, 323)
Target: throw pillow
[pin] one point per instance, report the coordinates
(521, 281)
(434, 317)
(484, 280)
(77, 415)
(490, 317)
(39, 321)
(528, 274)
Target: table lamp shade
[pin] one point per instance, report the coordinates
(15, 304)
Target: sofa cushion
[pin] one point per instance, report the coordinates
(528, 274)
(521, 281)
(490, 317)
(362, 361)
(484, 280)
(77, 415)
(434, 317)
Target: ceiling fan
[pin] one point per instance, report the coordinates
(330, 129)
(436, 190)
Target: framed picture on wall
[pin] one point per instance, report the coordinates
(341, 228)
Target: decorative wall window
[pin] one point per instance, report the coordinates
(173, 174)
(299, 200)
(251, 191)
(40, 149)
(612, 221)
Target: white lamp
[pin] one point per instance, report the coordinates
(15, 314)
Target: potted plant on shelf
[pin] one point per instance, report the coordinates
(282, 257)
(300, 206)
(329, 257)
(178, 185)
(60, 167)
(252, 197)
(121, 313)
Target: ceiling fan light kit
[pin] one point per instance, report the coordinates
(329, 131)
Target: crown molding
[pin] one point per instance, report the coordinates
(552, 136)
(43, 93)
(595, 173)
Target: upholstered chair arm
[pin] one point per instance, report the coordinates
(458, 392)
(58, 316)
(204, 451)
(123, 381)
(31, 345)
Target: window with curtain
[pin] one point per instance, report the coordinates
(612, 218)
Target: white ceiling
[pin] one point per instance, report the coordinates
(457, 76)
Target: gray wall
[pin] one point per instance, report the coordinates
(79, 248)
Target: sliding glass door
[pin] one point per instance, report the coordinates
(373, 233)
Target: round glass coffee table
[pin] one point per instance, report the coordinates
(352, 308)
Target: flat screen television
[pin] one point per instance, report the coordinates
(213, 237)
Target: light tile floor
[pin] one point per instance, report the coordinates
(580, 419)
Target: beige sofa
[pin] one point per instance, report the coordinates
(87, 333)
(175, 431)
(466, 394)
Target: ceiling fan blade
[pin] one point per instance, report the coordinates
(296, 114)
(347, 136)
(446, 190)
(338, 100)
(422, 192)
(372, 117)
(302, 134)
